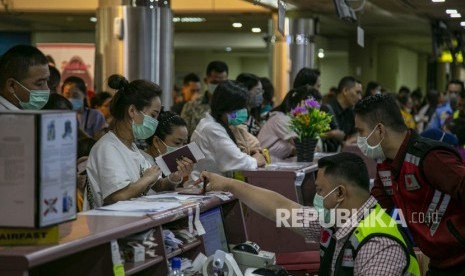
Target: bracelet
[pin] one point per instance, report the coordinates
(174, 182)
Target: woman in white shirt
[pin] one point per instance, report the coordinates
(275, 135)
(215, 139)
(116, 169)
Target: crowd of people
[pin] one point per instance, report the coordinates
(417, 142)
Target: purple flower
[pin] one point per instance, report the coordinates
(312, 103)
(299, 110)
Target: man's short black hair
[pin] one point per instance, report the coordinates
(348, 166)
(217, 66)
(346, 82)
(455, 81)
(16, 61)
(190, 78)
(382, 109)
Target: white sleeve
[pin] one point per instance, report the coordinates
(227, 155)
(108, 169)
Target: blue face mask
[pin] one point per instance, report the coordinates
(237, 117)
(146, 129)
(37, 98)
(169, 148)
(265, 109)
(77, 104)
(318, 203)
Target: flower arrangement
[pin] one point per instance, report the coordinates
(308, 121)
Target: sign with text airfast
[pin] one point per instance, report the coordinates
(37, 168)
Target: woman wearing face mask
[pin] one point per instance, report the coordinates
(116, 169)
(90, 120)
(214, 137)
(170, 135)
(254, 103)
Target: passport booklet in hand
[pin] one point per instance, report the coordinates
(168, 162)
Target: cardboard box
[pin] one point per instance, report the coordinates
(37, 168)
(133, 252)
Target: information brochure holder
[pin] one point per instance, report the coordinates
(37, 175)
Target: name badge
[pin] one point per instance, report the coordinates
(411, 182)
(386, 178)
(347, 258)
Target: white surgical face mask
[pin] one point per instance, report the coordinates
(375, 152)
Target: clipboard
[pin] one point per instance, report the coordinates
(168, 162)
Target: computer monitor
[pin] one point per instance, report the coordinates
(215, 237)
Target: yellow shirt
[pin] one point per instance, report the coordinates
(408, 119)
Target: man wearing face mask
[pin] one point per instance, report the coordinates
(419, 177)
(193, 112)
(354, 246)
(445, 110)
(23, 79)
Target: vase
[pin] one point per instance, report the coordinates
(305, 149)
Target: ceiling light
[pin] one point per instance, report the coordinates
(438, 1)
(189, 19)
(321, 53)
(456, 15)
(93, 19)
(237, 25)
(228, 49)
(462, 23)
(256, 30)
(451, 11)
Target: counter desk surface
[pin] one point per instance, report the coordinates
(89, 232)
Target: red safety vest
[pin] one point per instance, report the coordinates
(436, 221)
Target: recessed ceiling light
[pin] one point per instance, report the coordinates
(321, 53)
(228, 49)
(189, 19)
(93, 19)
(256, 30)
(462, 23)
(237, 25)
(451, 11)
(456, 15)
(438, 1)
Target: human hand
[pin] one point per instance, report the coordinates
(216, 182)
(153, 173)
(184, 168)
(261, 161)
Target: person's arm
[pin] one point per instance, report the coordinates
(446, 172)
(135, 189)
(262, 201)
(227, 155)
(379, 193)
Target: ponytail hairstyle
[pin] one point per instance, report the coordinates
(139, 93)
(295, 96)
(229, 96)
(167, 122)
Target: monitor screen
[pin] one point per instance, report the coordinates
(215, 237)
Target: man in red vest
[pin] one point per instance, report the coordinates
(424, 179)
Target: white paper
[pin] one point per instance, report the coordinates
(197, 223)
(140, 206)
(361, 37)
(190, 220)
(17, 170)
(174, 196)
